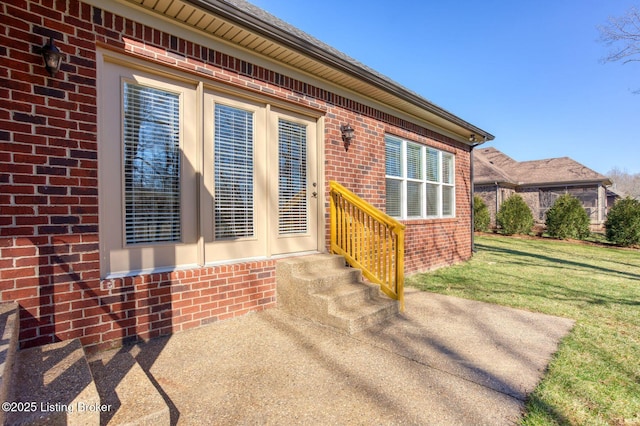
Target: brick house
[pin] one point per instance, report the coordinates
(496, 176)
(148, 186)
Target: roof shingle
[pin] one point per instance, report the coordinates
(493, 166)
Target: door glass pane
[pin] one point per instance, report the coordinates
(233, 172)
(151, 165)
(292, 179)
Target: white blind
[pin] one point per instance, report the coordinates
(432, 199)
(292, 179)
(433, 173)
(447, 200)
(393, 154)
(448, 188)
(394, 197)
(414, 198)
(151, 165)
(233, 172)
(414, 161)
(447, 168)
(393, 163)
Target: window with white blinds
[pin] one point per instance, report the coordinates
(420, 181)
(292, 178)
(151, 165)
(233, 172)
(394, 181)
(448, 182)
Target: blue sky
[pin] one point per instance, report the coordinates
(529, 72)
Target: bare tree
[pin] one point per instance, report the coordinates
(623, 35)
(625, 182)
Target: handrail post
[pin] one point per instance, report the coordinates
(333, 219)
(400, 269)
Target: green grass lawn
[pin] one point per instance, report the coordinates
(594, 377)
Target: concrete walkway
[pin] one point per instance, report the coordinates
(445, 361)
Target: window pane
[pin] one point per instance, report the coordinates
(292, 198)
(433, 173)
(414, 161)
(414, 199)
(151, 165)
(447, 168)
(448, 200)
(432, 200)
(233, 172)
(394, 197)
(393, 152)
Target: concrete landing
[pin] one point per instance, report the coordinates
(445, 361)
(127, 391)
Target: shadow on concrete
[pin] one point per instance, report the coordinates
(445, 361)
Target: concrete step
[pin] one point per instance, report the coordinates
(346, 294)
(321, 288)
(9, 337)
(127, 390)
(312, 264)
(360, 317)
(54, 386)
(325, 280)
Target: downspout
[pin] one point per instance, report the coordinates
(473, 236)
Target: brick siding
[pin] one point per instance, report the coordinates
(49, 191)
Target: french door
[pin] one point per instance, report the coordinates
(293, 189)
(260, 177)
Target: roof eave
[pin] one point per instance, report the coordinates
(567, 183)
(494, 182)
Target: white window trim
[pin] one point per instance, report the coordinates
(424, 181)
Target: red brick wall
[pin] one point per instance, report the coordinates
(48, 181)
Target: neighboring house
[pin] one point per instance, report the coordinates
(613, 195)
(151, 184)
(497, 176)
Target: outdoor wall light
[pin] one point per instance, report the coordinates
(472, 138)
(347, 135)
(52, 57)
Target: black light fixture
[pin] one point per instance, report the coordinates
(347, 135)
(52, 57)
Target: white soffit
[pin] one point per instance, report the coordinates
(201, 19)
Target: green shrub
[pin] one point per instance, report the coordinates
(481, 216)
(514, 216)
(623, 222)
(567, 218)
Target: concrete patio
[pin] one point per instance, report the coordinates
(445, 361)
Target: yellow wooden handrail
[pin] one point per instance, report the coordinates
(369, 239)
